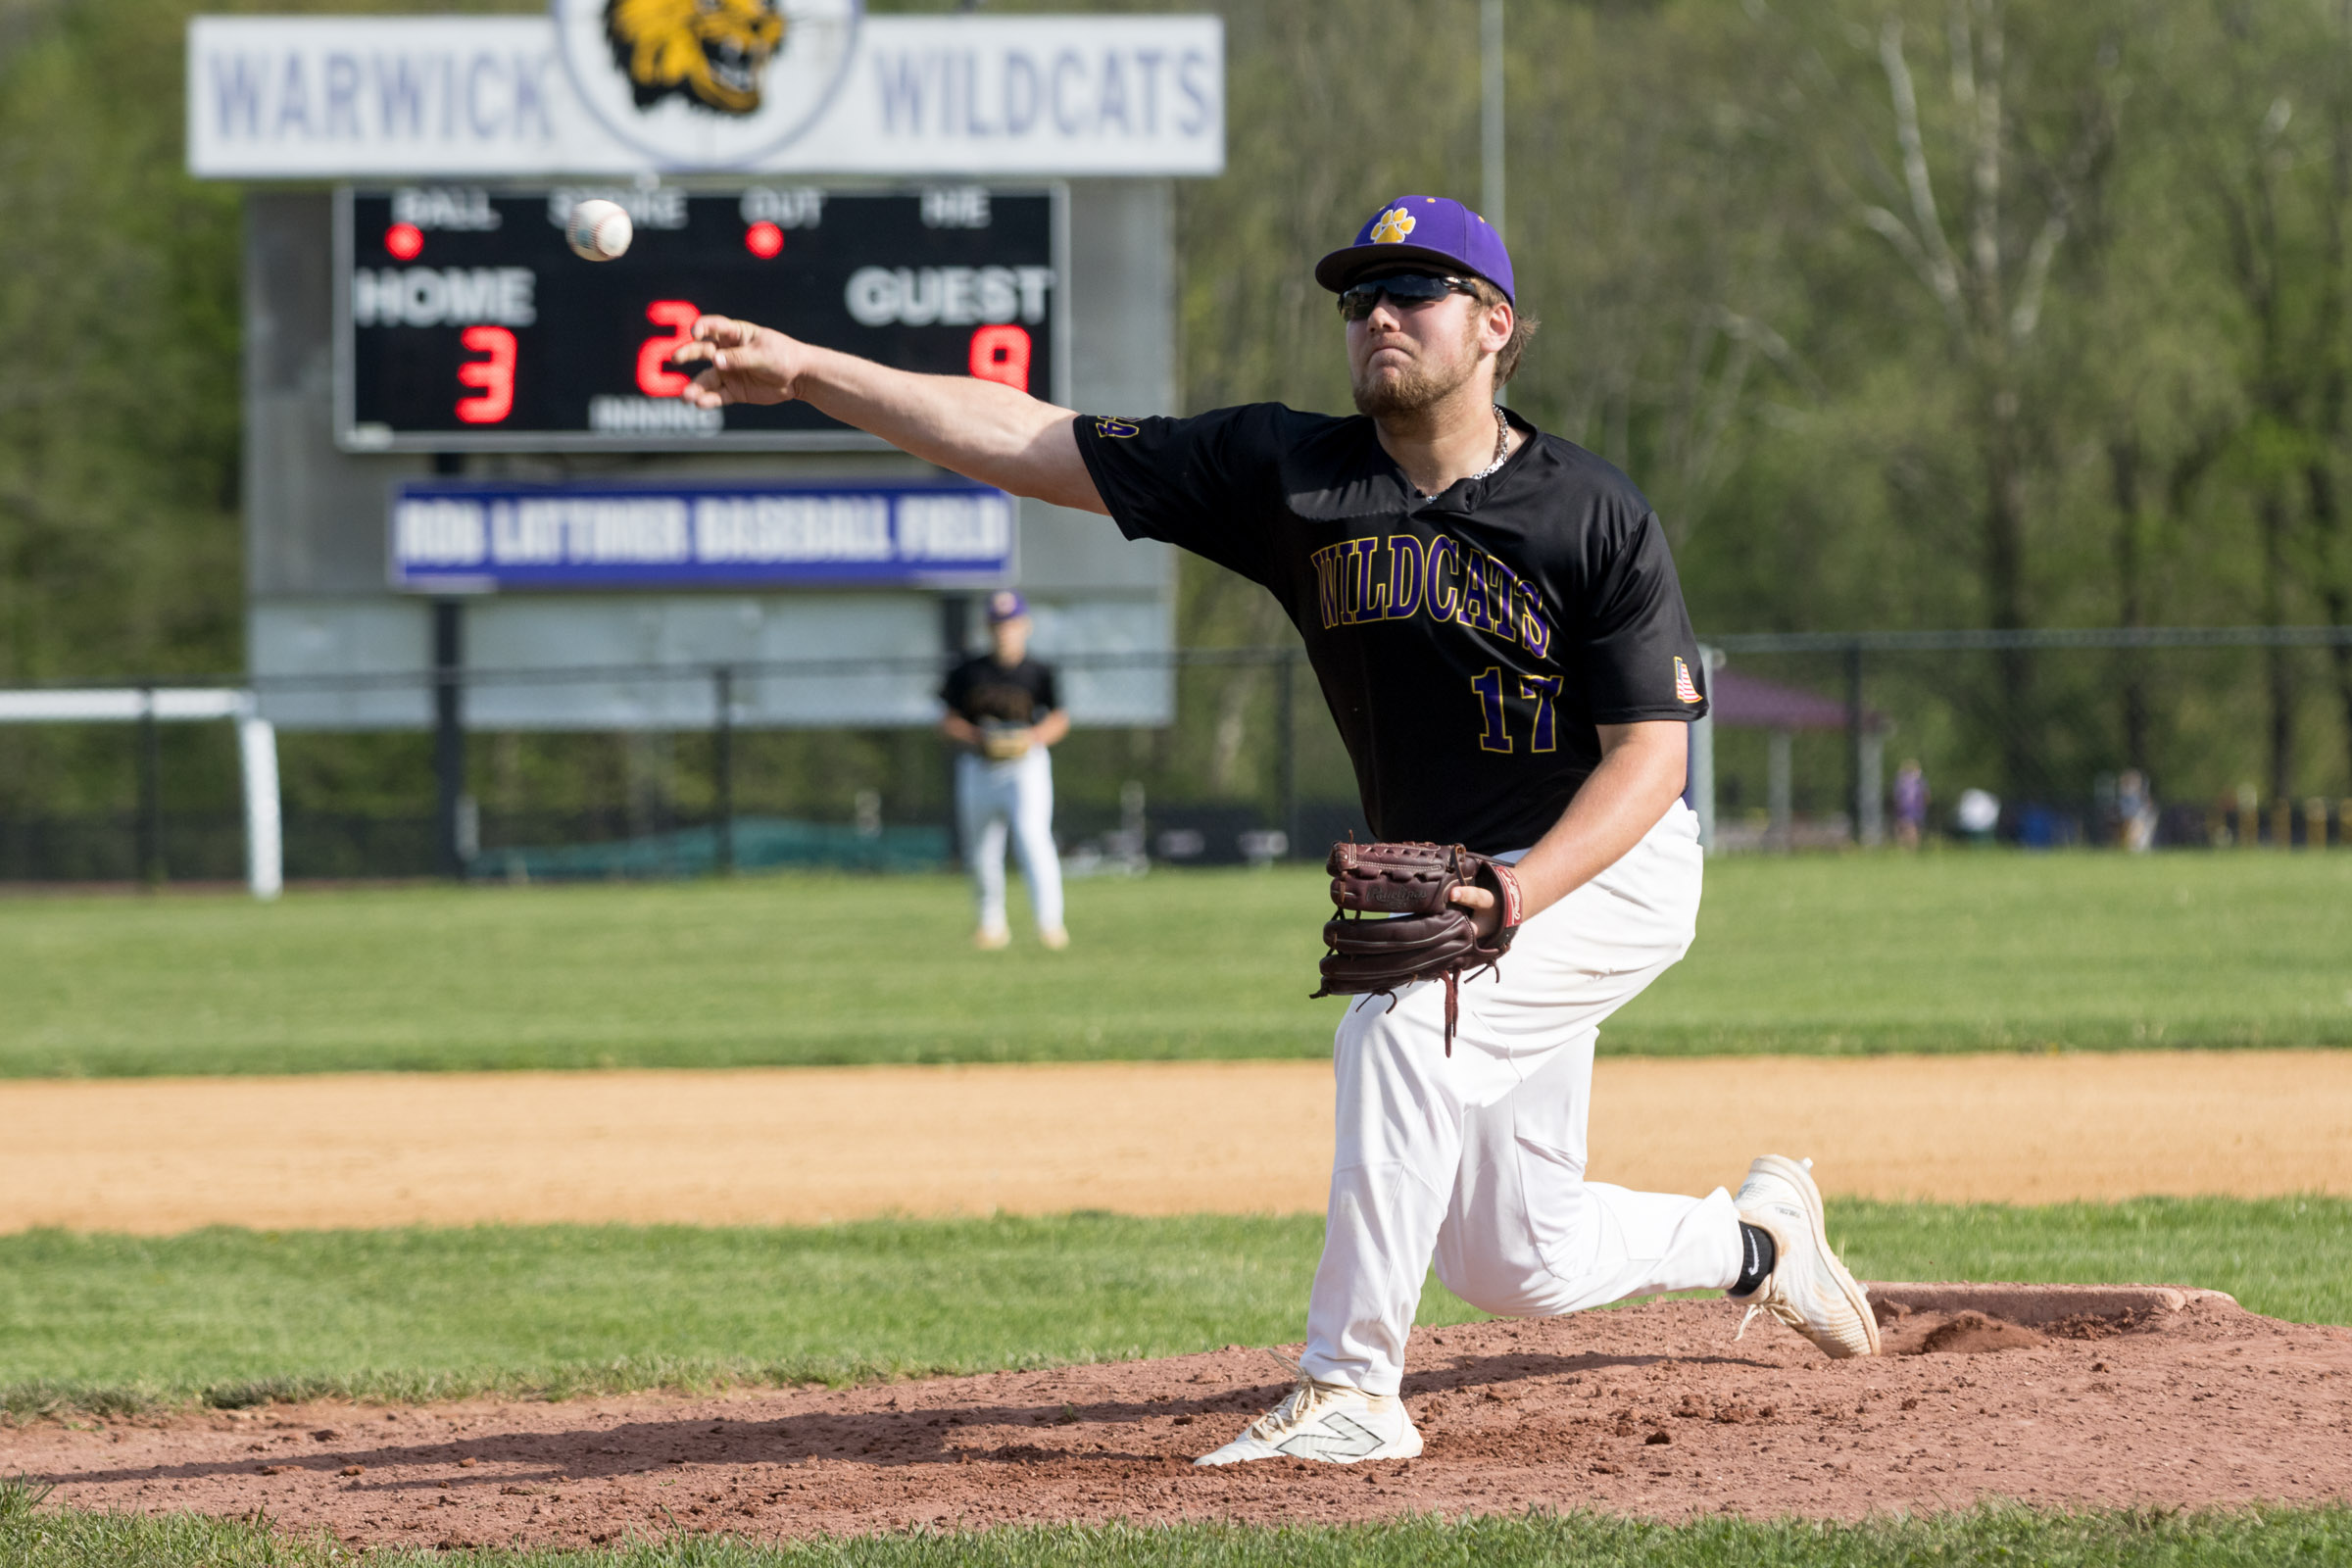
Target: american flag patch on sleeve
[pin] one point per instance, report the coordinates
(1683, 687)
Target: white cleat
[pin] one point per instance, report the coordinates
(1808, 1289)
(1328, 1422)
(1054, 937)
(989, 938)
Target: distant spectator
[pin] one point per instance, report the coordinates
(2135, 811)
(1910, 803)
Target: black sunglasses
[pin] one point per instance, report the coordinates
(1406, 289)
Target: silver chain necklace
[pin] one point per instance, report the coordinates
(1502, 444)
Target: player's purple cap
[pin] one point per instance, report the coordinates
(1004, 605)
(1422, 228)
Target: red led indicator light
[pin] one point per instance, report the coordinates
(405, 241)
(764, 240)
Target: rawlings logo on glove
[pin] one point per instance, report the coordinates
(1426, 935)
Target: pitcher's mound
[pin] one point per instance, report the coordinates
(2054, 1395)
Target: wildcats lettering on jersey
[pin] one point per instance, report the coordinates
(1401, 575)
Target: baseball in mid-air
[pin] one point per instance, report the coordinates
(599, 230)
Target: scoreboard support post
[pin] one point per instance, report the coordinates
(449, 735)
(723, 766)
(955, 636)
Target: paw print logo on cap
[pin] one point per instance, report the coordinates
(1392, 229)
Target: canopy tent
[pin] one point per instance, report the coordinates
(1743, 700)
(1740, 700)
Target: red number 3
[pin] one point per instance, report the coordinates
(492, 377)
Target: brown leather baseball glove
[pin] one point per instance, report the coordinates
(1426, 935)
(1004, 743)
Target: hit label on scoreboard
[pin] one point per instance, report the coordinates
(464, 321)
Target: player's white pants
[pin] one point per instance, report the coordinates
(1478, 1159)
(991, 797)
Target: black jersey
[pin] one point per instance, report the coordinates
(985, 692)
(1469, 643)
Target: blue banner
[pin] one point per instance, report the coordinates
(454, 536)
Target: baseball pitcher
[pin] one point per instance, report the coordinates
(1497, 626)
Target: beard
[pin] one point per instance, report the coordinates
(1420, 388)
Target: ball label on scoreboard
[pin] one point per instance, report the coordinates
(464, 320)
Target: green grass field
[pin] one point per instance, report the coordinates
(1946, 951)
(2252, 1538)
(1841, 955)
(236, 1317)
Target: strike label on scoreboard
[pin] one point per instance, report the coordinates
(465, 321)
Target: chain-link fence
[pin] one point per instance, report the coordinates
(2157, 739)
(695, 783)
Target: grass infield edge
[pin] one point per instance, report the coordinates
(1991, 1532)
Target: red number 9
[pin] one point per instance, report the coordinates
(493, 375)
(1001, 354)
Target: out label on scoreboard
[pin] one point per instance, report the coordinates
(462, 321)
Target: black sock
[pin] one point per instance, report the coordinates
(1756, 1258)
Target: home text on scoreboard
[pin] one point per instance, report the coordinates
(464, 321)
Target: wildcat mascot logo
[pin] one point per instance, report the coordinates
(711, 52)
(691, 85)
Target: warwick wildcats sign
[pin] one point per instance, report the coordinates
(677, 86)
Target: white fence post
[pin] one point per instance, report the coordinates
(1702, 755)
(1779, 790)
(1871, 793)
(265, 827)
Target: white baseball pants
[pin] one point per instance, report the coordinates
(992, 797)
(1478, 1159)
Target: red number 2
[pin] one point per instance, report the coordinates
(653, 380)
(493, 378)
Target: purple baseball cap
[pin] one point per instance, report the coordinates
(1005, 604)
(1422, 228)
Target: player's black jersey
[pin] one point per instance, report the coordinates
(1467, 643)
(985, 692)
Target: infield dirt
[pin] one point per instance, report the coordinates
(804, 1145)
(1657, 1410)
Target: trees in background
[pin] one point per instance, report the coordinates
(1975, 313)
(2007, 314)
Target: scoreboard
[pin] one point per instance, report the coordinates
(465, 322)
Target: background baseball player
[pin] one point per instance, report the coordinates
(1499, 635)
(1004, 709)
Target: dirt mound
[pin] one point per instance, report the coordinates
(1656, 1410)
(1969, 1333)
(1976, 1319)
